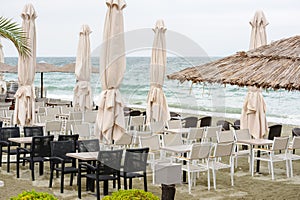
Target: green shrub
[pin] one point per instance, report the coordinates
(33, 195)
(133, 194)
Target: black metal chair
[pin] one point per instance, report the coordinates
(88, 145)
(135, 163)
(30, 131)
(205, 121)
(11, 147)
(107, 168)
(274, 131)
(135, 113)
(1, 124)
(39, 151)
(190, 122)
(59, 162)
(236, 124)
(295, 133)
(225, 124)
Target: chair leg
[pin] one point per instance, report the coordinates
(214, 178)
(125, 183)
(32, 170)
(291, 168)
(105, 187)
(71, 179)
(208, 179)
(51, 175)
(287, 168)
(41, 168)
(18, 165)
(97, 189)
(8, 159)
(79, 184)
(62, 179)
(272, 170)
(145, 182)
(0, 156)
(130, 183)
(189, 181)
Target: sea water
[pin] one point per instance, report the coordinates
(200, 99)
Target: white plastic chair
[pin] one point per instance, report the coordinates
(200, 151)
(225, 136)
(217, 162)
(194, 135)
(242, 134)
(83, 130)
(292, 157)
(273, 154)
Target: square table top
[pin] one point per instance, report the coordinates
(84, 155)
(178, 148)
(256, 141)
(177, 130)
(21, 140)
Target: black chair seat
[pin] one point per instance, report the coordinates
(132, 174)
(34, 159)
(101, 177)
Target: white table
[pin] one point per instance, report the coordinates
(86, 156)
(21, 140)
(252, 143)
(177, 130)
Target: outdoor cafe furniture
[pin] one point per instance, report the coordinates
(242, 149)
(291, 155)
(252, 143)
(7, 146)
(107, 168)
(39, 152)
(273, 154)
(199, 152)
(60, 162)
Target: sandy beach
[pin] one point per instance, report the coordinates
(245, 186)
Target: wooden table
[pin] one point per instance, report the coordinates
(252, 143)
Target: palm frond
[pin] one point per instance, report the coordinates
(13, 32)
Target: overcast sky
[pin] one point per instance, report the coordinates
(220, 27)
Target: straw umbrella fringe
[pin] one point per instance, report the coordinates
(276, 66)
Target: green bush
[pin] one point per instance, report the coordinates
(133, 194)
(33, 195)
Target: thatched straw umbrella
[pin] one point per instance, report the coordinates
(276, 66)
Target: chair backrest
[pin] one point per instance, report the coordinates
(69, 124)
(125, 139)
(135, 113)
(190, 122)
(223, 149)
(136, 160)
(40, 146)
(152, 142)
(53, 110)
(109, 161)
(30, 131)
(76, 116)
(9, 132)
(53, 126)
(68, 137)
(83, 130)
(66, 110)
(296, 132)
(172, 140)
(61, 148)
(225, 124)
(196, 133)
(205, 121)
(89, 145)
(280, 143)
(157, 127)
(225, 136)
(200, 151)
(296, 142)
(42, 110)
(274, 131)
(174, 124)
(137, 122)
(211, 132)
(236, 124)
(44, 118)
(242, 134)
(90, 116)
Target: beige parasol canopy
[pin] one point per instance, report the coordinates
(24, 108)
(110, 122)
(276, 65)
(253, 116)
(157, 107)
(83, 92)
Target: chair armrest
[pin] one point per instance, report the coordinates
(56, 159)
(262, 149)
(5, 143)
(86, 165)
(22, 150)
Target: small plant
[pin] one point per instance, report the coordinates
(131, 194)
(33, 195)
